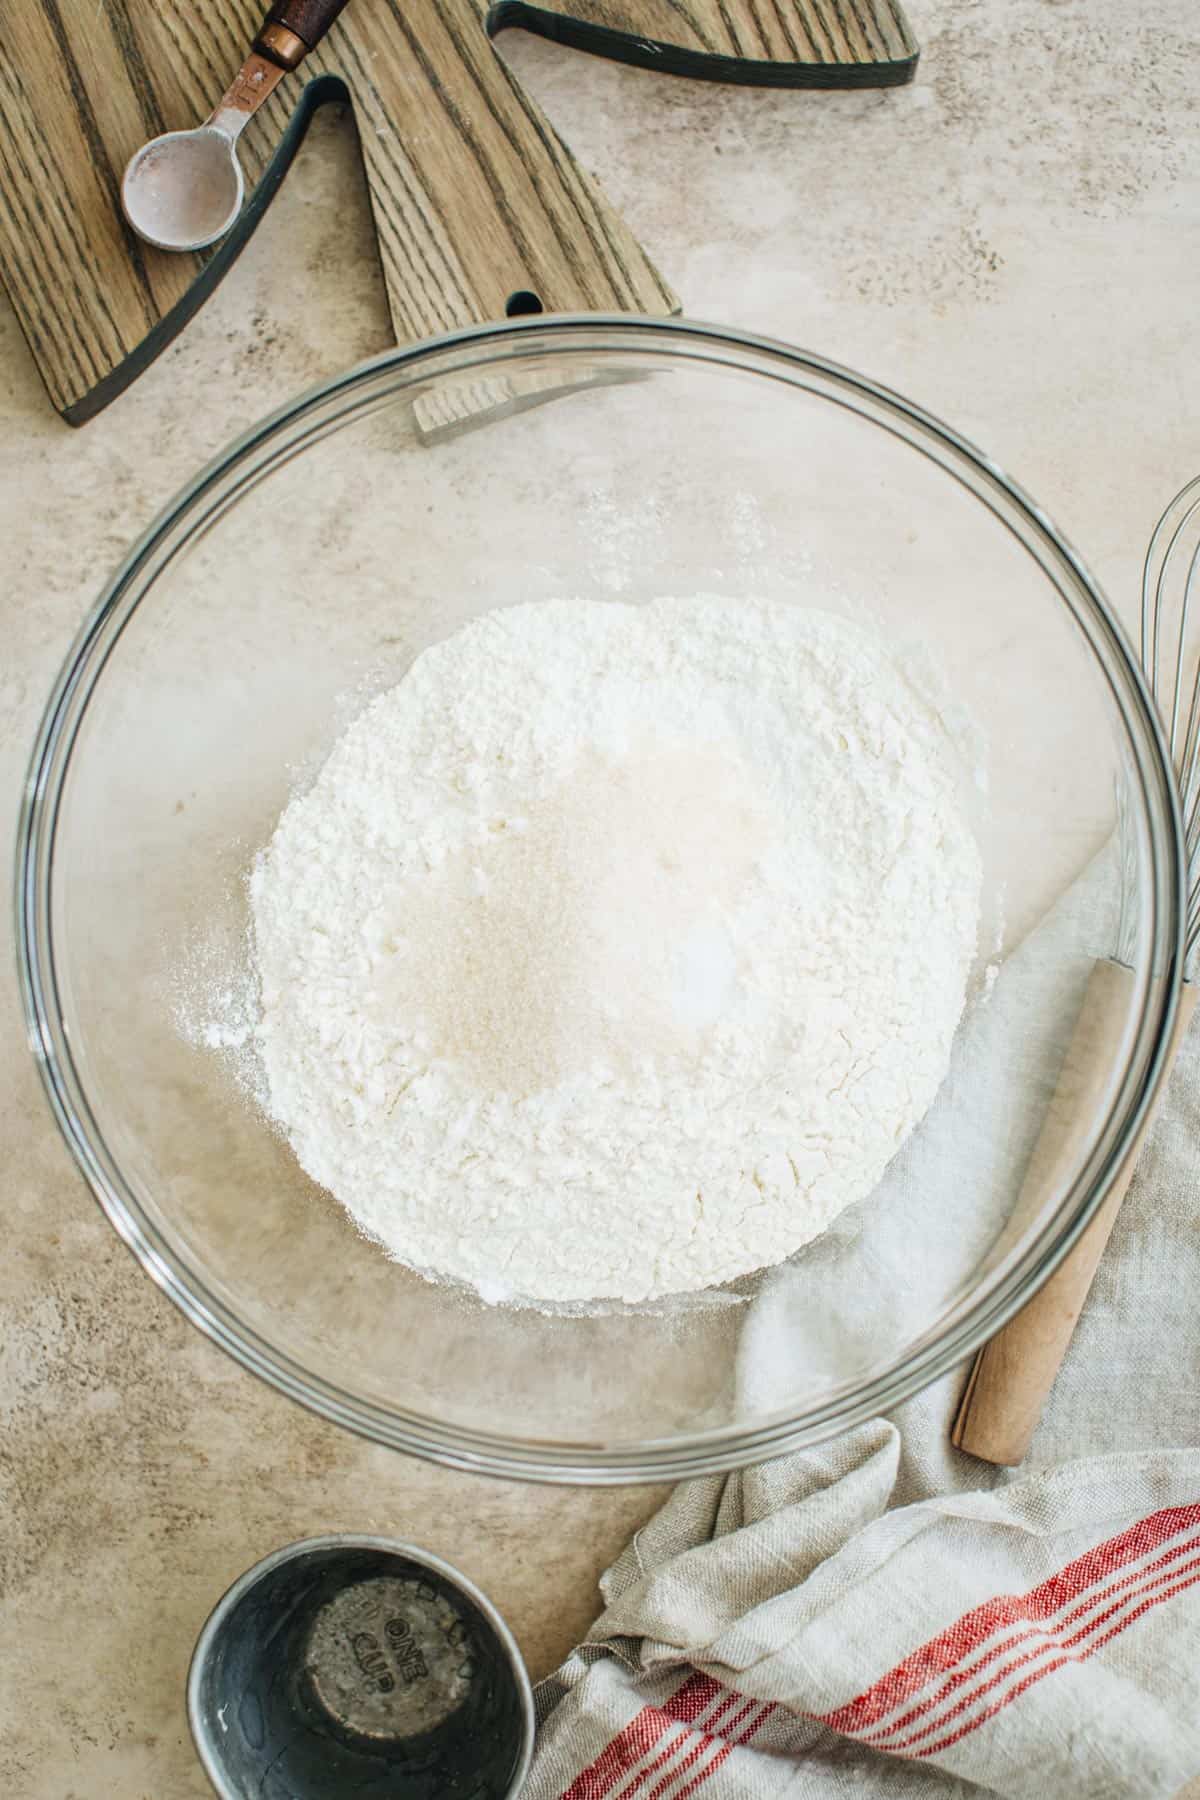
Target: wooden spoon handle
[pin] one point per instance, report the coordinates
(1012, 1375)
(294, 27)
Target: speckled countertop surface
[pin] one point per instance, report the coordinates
(1015, 242)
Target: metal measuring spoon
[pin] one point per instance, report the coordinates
(183, 191)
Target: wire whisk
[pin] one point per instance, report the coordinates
(1012, 1376)
(1171, 658)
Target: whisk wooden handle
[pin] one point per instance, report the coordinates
(1012, 1375)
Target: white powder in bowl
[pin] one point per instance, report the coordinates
(617, 949)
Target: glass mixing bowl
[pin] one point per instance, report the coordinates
(301, 572)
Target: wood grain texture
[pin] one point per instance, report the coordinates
(1012, 1375)
(474, 195)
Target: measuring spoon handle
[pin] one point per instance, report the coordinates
(294, 27)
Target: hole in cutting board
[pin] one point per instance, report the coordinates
(522, 302)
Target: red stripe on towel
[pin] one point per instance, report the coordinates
(1047, 1640)
(619, 1757)
(944, 1652)
(1068, 1656)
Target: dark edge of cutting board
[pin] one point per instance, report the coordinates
(696, 65)
(320, 92)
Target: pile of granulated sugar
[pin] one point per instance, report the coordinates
(617, 949)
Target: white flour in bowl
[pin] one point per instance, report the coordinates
(617, 949)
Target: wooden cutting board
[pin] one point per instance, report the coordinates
(479, 207)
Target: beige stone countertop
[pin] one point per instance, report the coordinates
(1014, 241)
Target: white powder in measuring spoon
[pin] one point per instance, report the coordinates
(617, 949)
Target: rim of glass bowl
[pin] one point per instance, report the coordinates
(977, 1314)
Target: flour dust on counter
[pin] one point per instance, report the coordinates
(617, 949)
